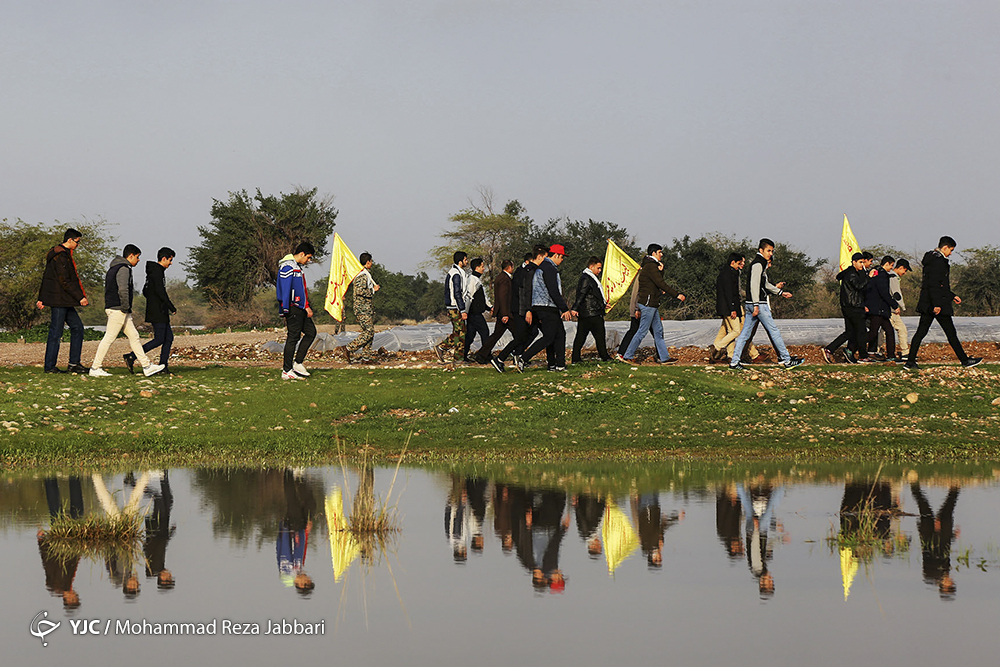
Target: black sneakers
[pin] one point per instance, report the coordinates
(972, 361)
(129, 361)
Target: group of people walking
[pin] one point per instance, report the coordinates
(871, 300)
(62, 292)
(528, 302)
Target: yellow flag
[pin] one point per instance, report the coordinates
(344, 267)
(343, 547)
(619, 536)
(848, 245)
(619, 271)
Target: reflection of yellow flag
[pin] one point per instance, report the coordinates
(848, 245)
(619, 537)
(848, 568)
(344, 267)
(619, 271)
(343, 547)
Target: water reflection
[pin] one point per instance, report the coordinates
(600, 537)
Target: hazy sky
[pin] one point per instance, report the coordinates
(668, 118)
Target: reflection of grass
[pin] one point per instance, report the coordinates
(108, 537)
(865, 539)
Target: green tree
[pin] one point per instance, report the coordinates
(248, 236)
(977, 281)
(23, 248)
(483, 231)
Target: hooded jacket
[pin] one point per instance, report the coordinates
(158, 303)
(61, 286)
(291, 285)
(935, 288)
(118, 288)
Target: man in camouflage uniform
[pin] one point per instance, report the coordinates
(456, 285)
(364, 290)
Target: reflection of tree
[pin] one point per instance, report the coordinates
(937, 531)
(246, 505)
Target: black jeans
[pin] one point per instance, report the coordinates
(476, 324)
(877, 322)
(60, 318)
(949, 330)
(594, 325)
(162, 335)
(522, 332)
(855, 332)
(553, 338)
(298, 325)
(498, 330)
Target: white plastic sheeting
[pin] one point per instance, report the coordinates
(676, 333)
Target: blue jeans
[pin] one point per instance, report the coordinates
(648, 317)
(60, 318)
(772, 330)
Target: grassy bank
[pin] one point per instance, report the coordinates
(227, 416)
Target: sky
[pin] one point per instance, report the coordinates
(668, 118)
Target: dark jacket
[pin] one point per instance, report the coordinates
(651, 284)
(158, 304)
(589, 297)
(477, 305)
(852, 287)
(878, 300)
(61, 287)
(502, 296)
(520, 283)
(118, 288)
(727, 293)
(935, 290)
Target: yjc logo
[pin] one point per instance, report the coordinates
(40, 626)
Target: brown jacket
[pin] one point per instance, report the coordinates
(501, 295)
(651, 284)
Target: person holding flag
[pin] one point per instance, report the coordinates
(364, 312)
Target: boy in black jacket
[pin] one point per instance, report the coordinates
(158, 309)
(590, 305)
(853, 281)
(62, 292)
(936, 299)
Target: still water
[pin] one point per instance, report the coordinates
(771, 565)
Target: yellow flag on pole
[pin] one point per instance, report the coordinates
(619, 272)
(848, 245)
(344, 267)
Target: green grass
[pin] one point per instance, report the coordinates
(240, 416)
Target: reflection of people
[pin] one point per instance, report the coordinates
(293, 533)
(936, 534)
(545, 522)
(651, 525)
(456, 521)
(60, 572)
(589, 512)
(158, 534)
(727, 521)
(759, 504)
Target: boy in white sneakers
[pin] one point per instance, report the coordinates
(118, 292)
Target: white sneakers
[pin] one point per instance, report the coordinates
(152, 369)
(291, 375)
(300, 369)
